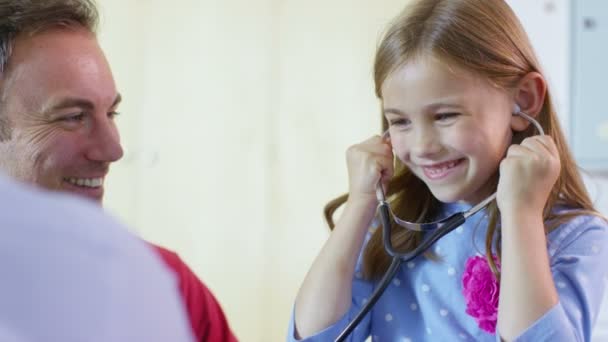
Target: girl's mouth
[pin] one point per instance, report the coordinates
(442, 170)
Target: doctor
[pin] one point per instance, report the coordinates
(58, 102)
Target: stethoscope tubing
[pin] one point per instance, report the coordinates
(450, 224)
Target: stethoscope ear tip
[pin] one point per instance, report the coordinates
(516, 109)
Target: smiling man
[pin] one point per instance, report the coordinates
(58, 106)
(58, 101)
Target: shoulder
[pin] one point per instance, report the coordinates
(59, 249)
(206, 315)
(582, 231)
(36, 211)
(175, 263)
(52, 221)
(191, 287)
(169, 257)
(189, 282)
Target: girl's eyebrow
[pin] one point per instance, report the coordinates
(437, 106)
(453, 101)
(394, 111)
(428, 108)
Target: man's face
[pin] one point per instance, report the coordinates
(60, 101)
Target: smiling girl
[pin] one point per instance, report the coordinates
(451, 76)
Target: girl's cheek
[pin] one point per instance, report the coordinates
(464, 140)
(400, 148)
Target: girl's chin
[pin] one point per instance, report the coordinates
(453, 196)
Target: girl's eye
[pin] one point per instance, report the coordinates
(399, 122)
(445, 116)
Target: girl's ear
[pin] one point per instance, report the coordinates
(529, 96)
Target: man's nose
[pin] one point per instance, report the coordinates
(105, 142)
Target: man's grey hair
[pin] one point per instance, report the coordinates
(28, 17)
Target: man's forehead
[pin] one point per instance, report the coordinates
(61, 68)
(27, 46)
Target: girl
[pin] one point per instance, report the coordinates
(450, 74)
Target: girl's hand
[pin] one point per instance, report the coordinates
(367, 163)
(527, 175)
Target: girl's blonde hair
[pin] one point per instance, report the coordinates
(486, 38)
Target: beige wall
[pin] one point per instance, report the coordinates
(235, 119)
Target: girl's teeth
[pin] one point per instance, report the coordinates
(441, 168)
(86, 182)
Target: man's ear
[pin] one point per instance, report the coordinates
(529, 98)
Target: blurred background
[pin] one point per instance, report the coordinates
(237, 115)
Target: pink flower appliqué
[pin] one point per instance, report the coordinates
(481, 291)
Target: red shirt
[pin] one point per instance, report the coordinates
(206, 316)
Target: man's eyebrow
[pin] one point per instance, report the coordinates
(117, 100)
(75, 102)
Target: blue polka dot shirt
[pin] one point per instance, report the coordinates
(424, 302)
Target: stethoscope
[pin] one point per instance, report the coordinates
(436, 230)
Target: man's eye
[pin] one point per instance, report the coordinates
(74, 118)
(114, 114)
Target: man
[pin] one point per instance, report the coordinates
(70, 273)
(58, 101)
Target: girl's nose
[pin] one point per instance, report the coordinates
(425, 143)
